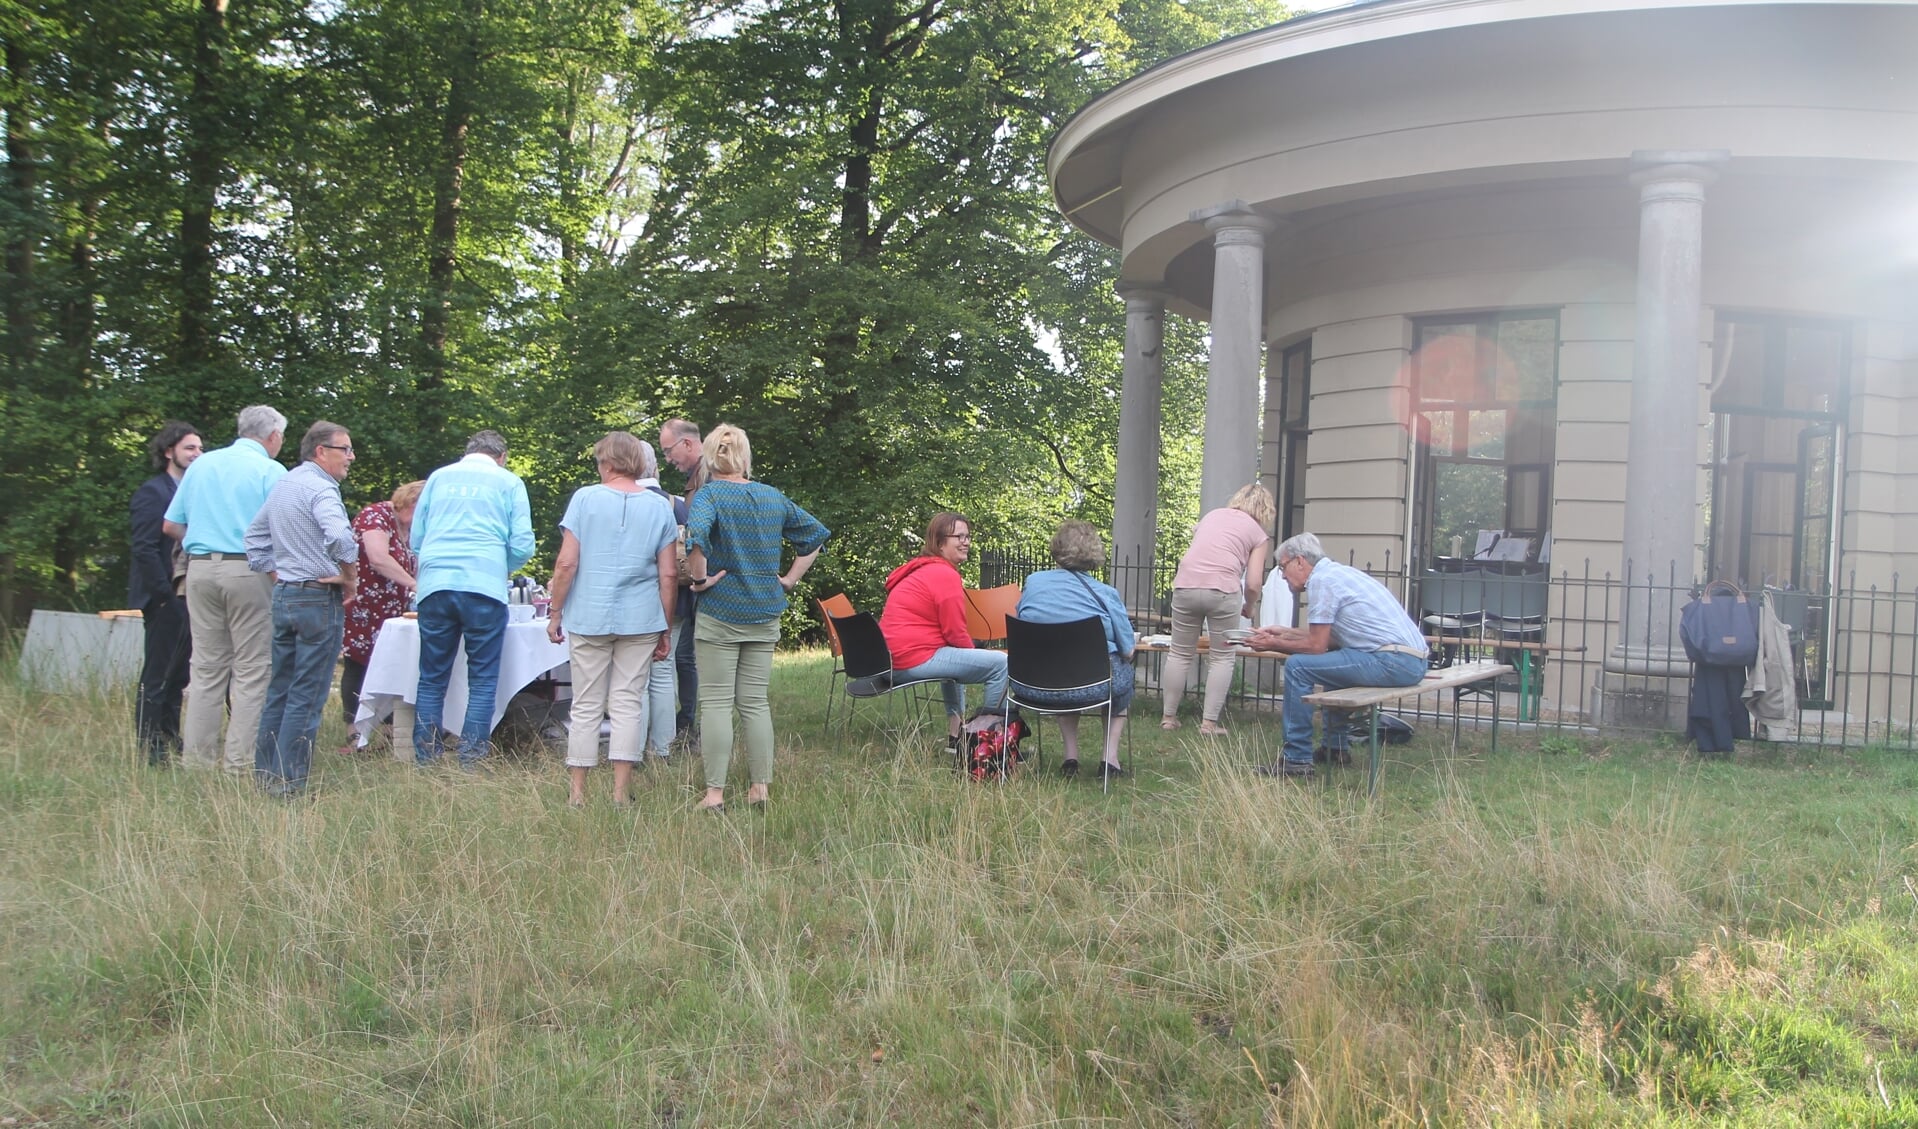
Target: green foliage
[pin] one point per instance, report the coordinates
(825, 223)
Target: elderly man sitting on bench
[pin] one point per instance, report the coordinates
(1356, 634)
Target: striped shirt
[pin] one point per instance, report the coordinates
(302, 532)
(1363, 613)
(739, 526)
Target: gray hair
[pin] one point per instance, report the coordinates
(487, 442)
(260, 422)
(322, 432)
(1304, 546)
(1076, 546)
(648, 462)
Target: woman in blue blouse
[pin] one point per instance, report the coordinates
(614, 586)
(1066, 593)
(734, 532)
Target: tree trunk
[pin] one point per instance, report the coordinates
(20, 186)
(204, 171)
(442, 262)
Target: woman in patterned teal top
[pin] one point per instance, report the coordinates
(734, 536)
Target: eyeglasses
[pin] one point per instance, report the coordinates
(958, 536)
(674, 445)
(348, 448)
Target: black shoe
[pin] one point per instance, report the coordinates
(1069, 769)
(1287, 770)
(1110, 771)
(1324, 755)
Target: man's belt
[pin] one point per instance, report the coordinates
(1401, 649)
(216, 556)
(304, 584)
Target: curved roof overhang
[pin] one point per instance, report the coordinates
(1406, 96)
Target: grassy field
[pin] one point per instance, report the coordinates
(1565, 933)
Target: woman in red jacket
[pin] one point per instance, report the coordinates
(925, 623)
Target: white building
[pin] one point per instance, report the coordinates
(1641, 277)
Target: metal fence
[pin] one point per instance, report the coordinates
(1591, 651)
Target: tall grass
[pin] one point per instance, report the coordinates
(1592, 934)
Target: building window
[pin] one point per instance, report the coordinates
(1778, 404)
(1485, 400)
(1295, 404)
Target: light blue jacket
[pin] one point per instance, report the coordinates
(472, 528)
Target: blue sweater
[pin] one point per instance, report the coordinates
(1059, 596)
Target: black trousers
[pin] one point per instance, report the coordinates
(352, 677)
(163, 676)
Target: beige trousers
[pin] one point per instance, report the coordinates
(231, 608)
(610, 677)
(1217, 612)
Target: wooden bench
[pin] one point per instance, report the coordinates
(1445, 678)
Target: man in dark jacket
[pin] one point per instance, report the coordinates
(155, 585)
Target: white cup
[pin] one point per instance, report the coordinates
(519, 613)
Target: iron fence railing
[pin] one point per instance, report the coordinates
(1591, 650)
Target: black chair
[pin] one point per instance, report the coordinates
(867, 660)
(1451, 606)
(1060, 658)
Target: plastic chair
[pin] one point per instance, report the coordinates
(986, 612)
(1451, 605)
(1515, 611)
(830, 607)
(1060, 658)
(866, 659)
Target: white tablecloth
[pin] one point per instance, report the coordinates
(393, 673)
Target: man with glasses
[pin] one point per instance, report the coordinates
(472, 529)
(302, 538)
(232, 620)
(1356, 634)
(680, 445)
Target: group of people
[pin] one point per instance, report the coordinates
(281, 584)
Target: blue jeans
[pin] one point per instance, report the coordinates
(445, 618)
(307, 625)
(1124, 678)
(685, 664)
(1336, 670)
(662, 688)
(962, 666)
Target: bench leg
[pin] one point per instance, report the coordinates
(1375, 751)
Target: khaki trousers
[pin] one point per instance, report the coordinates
(232, 662)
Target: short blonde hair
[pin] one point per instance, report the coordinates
(1255, 501)
(619, 450)
(728, 451)
(408, 494)
(1076, 546)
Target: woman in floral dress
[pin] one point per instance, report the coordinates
(387, 578)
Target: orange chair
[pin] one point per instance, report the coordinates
(986, 612)
(830, 607)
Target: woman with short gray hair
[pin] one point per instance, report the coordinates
(1066, 593)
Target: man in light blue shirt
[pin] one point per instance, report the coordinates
(231, 605)
(1356, 634)
(472, 529)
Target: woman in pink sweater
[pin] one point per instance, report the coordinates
(925, 623)
(1220, 578)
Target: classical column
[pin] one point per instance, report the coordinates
(1135, 491)
(1661, 476)
(1238, 339)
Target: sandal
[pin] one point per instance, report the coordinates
(1168, 723)
(1211, 729)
